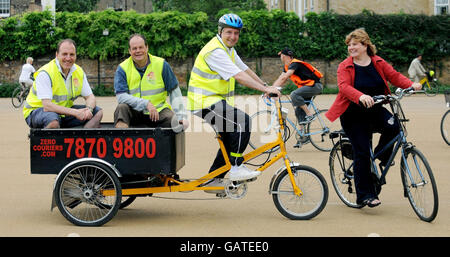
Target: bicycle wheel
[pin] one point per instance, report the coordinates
(432, 90)
(264, 130)
(78, 194)
(304, 207)
(419, 184)
(445, 127)
(319, 131)
(16, 98)
(341, 172)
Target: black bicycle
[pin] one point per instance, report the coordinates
(417, 177)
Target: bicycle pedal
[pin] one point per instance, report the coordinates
(250, 180)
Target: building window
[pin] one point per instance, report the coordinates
(311, 6)
(5, 8)
(305, 7)
(441, 7)
(274, 4)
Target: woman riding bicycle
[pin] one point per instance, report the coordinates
(360, 77)
(307, 79)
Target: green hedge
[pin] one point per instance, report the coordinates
(398, 37)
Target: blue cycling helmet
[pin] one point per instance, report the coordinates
(230, 20)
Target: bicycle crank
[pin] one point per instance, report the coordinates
(235, 189)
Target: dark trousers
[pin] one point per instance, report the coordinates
(135, 118)
(302, 94)
(233, 126)
(359, 127)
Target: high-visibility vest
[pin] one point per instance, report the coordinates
(61, 96)
(297, 80)
(207, 87)
(151, 85)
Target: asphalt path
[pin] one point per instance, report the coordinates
(26, 198)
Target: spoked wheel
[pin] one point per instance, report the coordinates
(78, 193)
(419, 185)
(341, 172)
(445, 127)
(264, 130)
(17, 98)
(314, 193)
(319, 130)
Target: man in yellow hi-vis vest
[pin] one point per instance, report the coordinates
(142, 83)
(211, 96)
(57, 84)
(307, 80)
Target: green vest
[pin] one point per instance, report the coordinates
(61, 96)
(206, 87)
(151, 85)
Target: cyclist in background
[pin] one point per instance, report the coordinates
(26, 73)
(307, 79)
(416, 70)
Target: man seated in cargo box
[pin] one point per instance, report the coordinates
(58, 83)
(142, 83)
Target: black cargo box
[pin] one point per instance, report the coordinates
(131, 151)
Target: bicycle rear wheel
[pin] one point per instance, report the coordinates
(419, 184)
(78, 194)
(314, 189)
(265, 129)
(16, 97)
(341, 172)
(319, 131)
(445, 127)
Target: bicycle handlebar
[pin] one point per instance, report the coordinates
(399, 94)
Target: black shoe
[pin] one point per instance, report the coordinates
(371, 202)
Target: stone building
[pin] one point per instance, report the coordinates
(301, 7)
(141, 6)
(15, 7)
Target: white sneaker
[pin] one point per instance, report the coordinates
(215, 182)
(238, 173)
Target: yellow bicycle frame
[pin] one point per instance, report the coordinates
(173, 185)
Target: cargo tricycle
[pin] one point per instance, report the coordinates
(102, 170)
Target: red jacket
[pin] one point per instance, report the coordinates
(347, 91)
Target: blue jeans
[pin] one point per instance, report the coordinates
(40, 119)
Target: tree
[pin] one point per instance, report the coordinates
(83, 6)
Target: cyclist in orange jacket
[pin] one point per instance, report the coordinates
(306, 78)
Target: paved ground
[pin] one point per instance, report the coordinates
(25, 198)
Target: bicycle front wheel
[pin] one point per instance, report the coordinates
(419, 184)
(310, 203)
(16, 97)
(264, 130)
(319, 131)
(445, 127)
